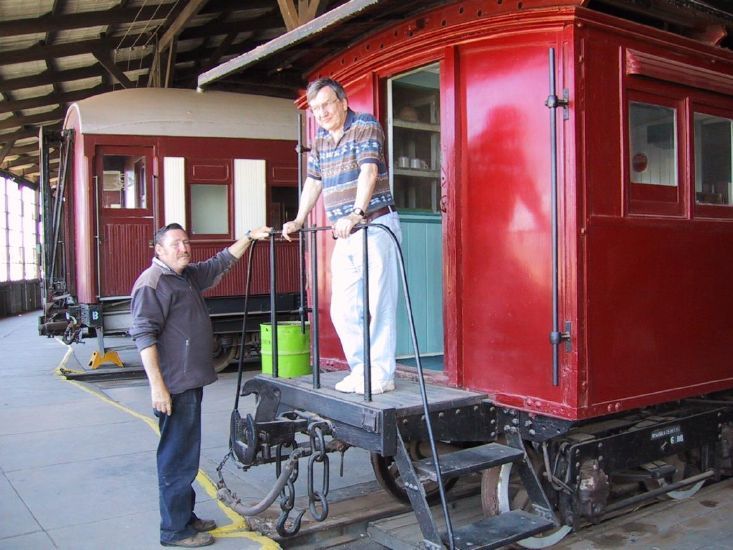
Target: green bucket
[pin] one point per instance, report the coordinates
(293, 349)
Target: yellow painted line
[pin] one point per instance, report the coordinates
(238, 528)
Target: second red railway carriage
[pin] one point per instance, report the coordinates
(621, 274)
(135, 160)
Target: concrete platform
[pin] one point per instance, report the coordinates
(77, 469)
(77, 460)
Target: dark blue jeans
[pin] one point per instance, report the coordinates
(179, 452)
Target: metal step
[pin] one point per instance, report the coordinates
(498, 531)
(470, 460)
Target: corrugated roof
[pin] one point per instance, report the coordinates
(56, 52)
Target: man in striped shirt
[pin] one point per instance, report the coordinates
(347, 165)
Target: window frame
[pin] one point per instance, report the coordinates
(703, 105)
(136, 153)
(189, 211)
(655, 199)
(26, 256)
(228, 181)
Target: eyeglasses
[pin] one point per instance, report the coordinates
(323, 106)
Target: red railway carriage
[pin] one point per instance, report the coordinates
(564, 247)
(218, 163)
(643, 195)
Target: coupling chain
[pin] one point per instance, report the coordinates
(318, 454)
(287, 498)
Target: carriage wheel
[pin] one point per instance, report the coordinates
(503, 491)
(223, 354)
(388, 476)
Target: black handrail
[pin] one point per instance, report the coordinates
(367, 353)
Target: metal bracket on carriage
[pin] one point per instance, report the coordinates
(268, 398)
(251, 438)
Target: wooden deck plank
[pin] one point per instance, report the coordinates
(405, 397)
(373, 425)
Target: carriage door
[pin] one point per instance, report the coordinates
(414, 148)
(125, 220)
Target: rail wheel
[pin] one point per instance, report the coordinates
(388, 476)
(503, 491)
(224, 350)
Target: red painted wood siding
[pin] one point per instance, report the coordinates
(233, 283)
(126, 258)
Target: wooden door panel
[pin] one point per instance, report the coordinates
(125, 255)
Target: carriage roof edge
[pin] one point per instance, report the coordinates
(179, 112)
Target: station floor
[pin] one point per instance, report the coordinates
(77, 466)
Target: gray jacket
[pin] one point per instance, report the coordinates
(169, 311)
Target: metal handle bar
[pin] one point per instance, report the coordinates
(413, 335)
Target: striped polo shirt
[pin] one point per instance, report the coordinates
(337, 165)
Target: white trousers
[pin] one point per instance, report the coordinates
(347, 300)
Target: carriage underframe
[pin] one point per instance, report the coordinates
(570, 472)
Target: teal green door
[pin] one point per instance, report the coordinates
(423, 253)
(414, 152)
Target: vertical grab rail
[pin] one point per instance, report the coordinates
(367, 353)
(98, 236)
(301, 245)
(365, 326)
(273, 307)
(45, 199)
(423, 390)
(552, 103)
(314, 302)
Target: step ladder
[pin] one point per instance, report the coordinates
(489, 532)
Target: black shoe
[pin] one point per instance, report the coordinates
(202, 525)
(194, 541)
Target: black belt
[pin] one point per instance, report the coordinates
(378, 213)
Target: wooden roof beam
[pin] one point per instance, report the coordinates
(25, 133)
(118, 74)
(49, 77)
(42, 50)
(40, 118)
(51, 99)
(54, 23)
(23, 160)
(25, 149)
(6, 149)
(307, 10)
(176, 27)
(328, 20)
(289, 13)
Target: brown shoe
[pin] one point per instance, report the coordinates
(194, 541)
(202, 525)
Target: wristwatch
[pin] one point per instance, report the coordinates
(359, 212)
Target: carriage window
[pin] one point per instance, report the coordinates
(209, 209)
(652, 144)
(713, 172)
(123, 181)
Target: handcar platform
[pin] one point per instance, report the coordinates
(373, 425)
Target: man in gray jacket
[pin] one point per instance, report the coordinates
(173, 333)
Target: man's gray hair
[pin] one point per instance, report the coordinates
(160, 233)
(317, 85)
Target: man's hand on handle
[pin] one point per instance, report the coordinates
(344, 226)
(260, 233)
(291, 227)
